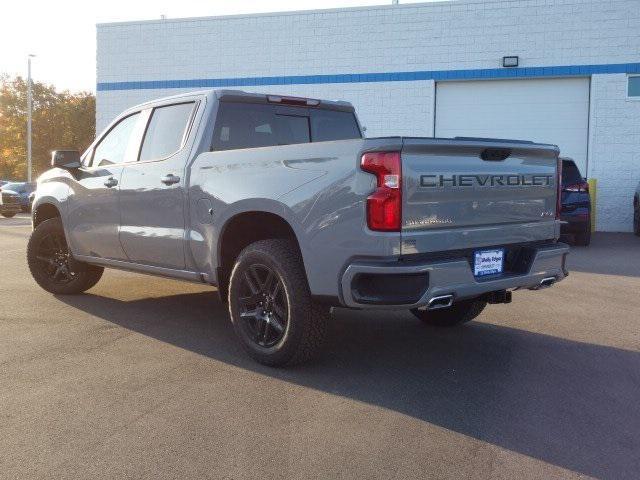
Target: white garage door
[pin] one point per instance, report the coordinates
(543, 110)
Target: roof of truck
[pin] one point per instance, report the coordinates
(250, 97)
(225, 95)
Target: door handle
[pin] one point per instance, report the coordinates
(110, 182)
(170, 179)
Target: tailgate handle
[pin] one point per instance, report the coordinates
(495, 154)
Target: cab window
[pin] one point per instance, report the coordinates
(244, 126)
(119, 145)
(328, 125)
(166, 130)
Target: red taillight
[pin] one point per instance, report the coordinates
(559, 190)
(384, 205)
(577, 187)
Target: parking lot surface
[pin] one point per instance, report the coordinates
(142, 377)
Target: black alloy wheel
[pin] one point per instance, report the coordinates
(53, 266)
(270, 305)
(53, 254)
(263, 305)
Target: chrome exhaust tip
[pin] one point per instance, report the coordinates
(441, 301)
(546, 282)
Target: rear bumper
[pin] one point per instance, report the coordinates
(448, 277)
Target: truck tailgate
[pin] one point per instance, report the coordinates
(463, 193)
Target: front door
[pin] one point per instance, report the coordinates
(152, 191)
(94, 213)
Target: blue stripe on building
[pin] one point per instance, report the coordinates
(437, 75)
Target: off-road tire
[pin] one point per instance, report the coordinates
(84, 275)
(306, 321)
(460, 312)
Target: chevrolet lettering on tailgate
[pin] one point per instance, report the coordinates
(486, 180)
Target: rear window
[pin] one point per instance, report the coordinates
(570, 173)
(292, 129)
(249, 125)
(244, 126)
(332, 125)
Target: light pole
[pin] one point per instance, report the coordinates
(29, 108)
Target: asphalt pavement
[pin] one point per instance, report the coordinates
(141, 377)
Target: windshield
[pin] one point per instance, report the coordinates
(20, 187)
(16, 187)
(570, 173)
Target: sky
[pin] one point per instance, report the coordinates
(61, 33)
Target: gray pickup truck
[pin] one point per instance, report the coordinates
(283, 205)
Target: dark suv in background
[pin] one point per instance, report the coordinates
(9, 203)
(22, 190)
(576, 204)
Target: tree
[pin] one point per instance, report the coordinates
(60, 120)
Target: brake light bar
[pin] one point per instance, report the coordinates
(306, 102)
(384, 205)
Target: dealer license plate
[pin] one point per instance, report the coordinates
(488, 262)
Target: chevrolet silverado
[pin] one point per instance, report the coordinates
(283, 205)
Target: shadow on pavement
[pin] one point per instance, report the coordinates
(609, 254)
(571, 404)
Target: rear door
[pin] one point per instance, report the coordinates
(467, 193)
(152, 189)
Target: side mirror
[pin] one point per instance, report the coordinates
(67, 159)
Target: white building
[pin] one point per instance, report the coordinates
(418, 69)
